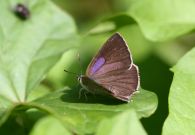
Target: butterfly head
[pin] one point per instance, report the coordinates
(80, 78)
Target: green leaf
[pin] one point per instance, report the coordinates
(102, 27)
(126, 123)
(139, 46)
(5, 109)
(82, 116)
(49, 126)
(28, 49)
(40, 91)
(111, 23)
(108, 24)
(163, 19)
(181, 119)
(57, 77)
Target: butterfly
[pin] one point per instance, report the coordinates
(22, 11)
(112, 71)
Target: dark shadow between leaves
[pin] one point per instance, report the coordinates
(72, 96)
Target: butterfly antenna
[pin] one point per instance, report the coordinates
(73, 73)
(80, 63)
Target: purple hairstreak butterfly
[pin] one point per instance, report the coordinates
(112, 71)
(22, 11)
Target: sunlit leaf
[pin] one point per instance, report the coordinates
(83, 115)
(28, 49)
(49, 126)
(163, 19)
(181, 119)
(126, 123)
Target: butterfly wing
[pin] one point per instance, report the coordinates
(112, 56)
(113, 68)
(122, 83)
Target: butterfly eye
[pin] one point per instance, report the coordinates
(79, 78)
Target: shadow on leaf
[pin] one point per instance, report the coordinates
(72, 96)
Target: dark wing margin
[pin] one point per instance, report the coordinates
(114, 55)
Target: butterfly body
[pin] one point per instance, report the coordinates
(112, 71)
(92, 87)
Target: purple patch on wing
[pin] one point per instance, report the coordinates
(98, 64)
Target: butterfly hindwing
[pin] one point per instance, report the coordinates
(122, 84)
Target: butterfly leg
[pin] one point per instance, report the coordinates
(80, 92)
(84, 92)
(93, 94)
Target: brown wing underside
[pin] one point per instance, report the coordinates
(116, 55)
(117, 74)
(121, 83)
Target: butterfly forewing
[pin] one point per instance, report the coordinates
(113, 69)
(114, 55)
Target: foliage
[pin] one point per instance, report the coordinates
(37, 97)
(181, 98)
